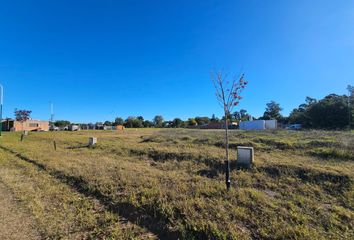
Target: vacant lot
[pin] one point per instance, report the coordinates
(168, 184)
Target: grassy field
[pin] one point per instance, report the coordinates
(168, 184)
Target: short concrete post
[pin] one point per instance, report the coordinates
(25, 133)
(245, 157)
(92, 141)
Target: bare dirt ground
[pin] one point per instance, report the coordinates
(15, 223)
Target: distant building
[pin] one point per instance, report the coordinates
(29, 125)
(109, 127)
(120, 127)
(91, 126)
(74, 127)
(259, 125)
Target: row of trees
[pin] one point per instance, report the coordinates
(159, 122)
(332, 112)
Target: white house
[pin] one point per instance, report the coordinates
(259, 125)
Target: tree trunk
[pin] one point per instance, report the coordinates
(23, 132)
(227, 161)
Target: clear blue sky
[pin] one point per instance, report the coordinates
(100, 59)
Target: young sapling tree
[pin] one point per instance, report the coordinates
(228, 94)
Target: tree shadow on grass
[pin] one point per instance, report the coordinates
(216, 169)
(152, 222)
(78, 147)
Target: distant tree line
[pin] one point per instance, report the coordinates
(61, 123)
(332, 112)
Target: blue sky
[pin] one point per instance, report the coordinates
(100, 59)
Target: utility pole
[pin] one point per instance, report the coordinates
(52, 124)
(1, 103)
(349, 112)
(350, 95)
(51, 113)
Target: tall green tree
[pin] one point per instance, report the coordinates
(119, 121)
(329, 113)
(140, 118)
(300, 115)
(22, 116)
(350, 89)
(192, 122)
(177, 123)
(133, 122)
(241, 115)
(61, 123)
(272, 111)
(202, 120)
(107, 123)
(214, 119)
(148, 124)
(158, 121)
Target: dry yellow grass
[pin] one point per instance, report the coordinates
(169, 184)
(15, 222)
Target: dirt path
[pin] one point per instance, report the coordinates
(15, 223)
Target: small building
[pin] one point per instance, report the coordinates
(109, 127)
(91, 126)
(74, 127)
(29, 125)
(120, 127)
(259, 125)
(271, 124)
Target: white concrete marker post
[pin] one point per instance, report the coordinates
(92, 141)
(245, 157)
